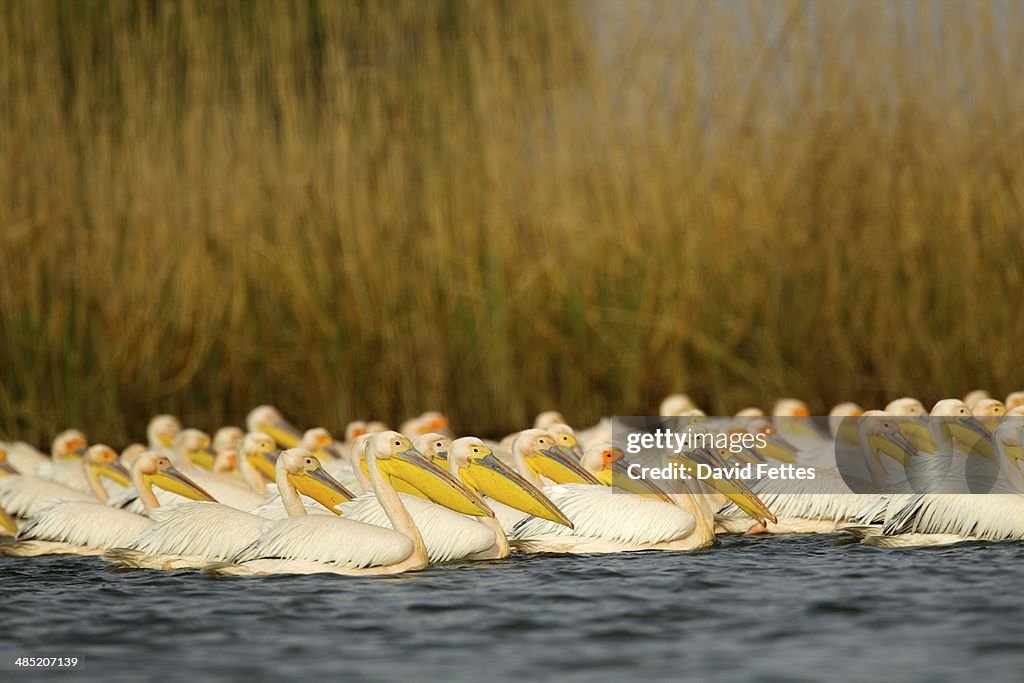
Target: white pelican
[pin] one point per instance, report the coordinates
(973, 397)
(269, 420)
(160, 431)
(447, 535)
(227, 438)
(65, 463)
(942, 518)
(547, 418)
(25, 496)
(257, 454)
(430, 421)
(84, 527)
(196, 534)
(23, 457)
(792, 419)
(312, 544)
(605, 521)
(1014, 400)
(675, 405)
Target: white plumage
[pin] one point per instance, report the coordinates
(447, 535)
(23, 457)
(73, 526)
(329, 542)
(190, 535)
(604, 521)
(954, 517)
(27, 496)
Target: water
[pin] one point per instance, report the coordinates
(771, 609)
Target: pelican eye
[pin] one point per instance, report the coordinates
(308, 461)
(398, 443)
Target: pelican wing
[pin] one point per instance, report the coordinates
(329, 540)
(199, 529)
(448, 535)
(826, 497)
(84, 523)
(28, 496)
(994, 517)
(600, 512)
(23, 457)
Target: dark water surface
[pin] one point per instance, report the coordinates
(771, 609)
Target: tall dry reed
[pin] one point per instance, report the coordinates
(370, 208)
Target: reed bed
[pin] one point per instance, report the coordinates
(492, 208)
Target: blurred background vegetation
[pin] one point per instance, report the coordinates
(367, 209)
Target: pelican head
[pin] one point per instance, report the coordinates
(974, 396)
(847, 409)
(547, 419)
(989, 410)
(951, 407)
(1014, 400)
(354, 429)
(225, 461)
(70, 443)
(394, 455)
(433, 446)
(750, 412)
(153, 469)
(269, 420)
(6, 468)
(161, 431)
(260, 451)
(605, 461)
(430, 421)
(301, 469)
(193, 447)
(103, 461)
(675, 405)
(566, 439)
(544, 456)
(905, 407)
(473, 463)
(227, 438)
(316, 438)
(880, 433)
(1008, 436)
(790, 407)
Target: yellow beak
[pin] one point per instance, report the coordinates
(491, 477)
(321, 487)
(264, 463)
(778, 449)
(916, 431)
(116, 473)
(282, 432)
(204, 457)
(618, 476)
(174, 481)
(975, 438)
(434, 483)
(733, 489)
(165, 440)
(560, 466)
